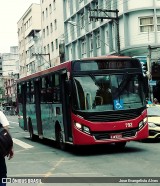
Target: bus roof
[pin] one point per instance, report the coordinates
(67, 65)
(64, 65)
(107, 57)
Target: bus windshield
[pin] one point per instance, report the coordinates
(96, 93)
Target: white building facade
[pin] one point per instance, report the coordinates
(139, 26)
(53, 30)
(29, 27)
(10, 73)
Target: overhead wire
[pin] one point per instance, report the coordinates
(69, 33)
(73, 31)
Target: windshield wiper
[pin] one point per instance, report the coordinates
(94, 79)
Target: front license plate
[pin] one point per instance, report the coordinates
(115, 136)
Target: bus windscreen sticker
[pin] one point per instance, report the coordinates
(118, 104)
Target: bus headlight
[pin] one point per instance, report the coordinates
(82, 128)
(78, 125)
(142, 123)
(145, 120)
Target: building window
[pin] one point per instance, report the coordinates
(31, 51)
(47, 31)
(48, 49)
(46, 12)
(45, 50)
(50, 8)
(89, 20)
(146, 24)
(83, 47)
(107, 37)
(52, 46)
(82, 20)
(56, 43)
(54, 4)
(91, 43)
(98, 42)
(43, 33)
(158, 23)
(51, 27)
(55, 24)
(43, 15)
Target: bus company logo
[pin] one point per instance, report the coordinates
(128, 125)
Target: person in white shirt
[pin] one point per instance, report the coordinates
(3, 168)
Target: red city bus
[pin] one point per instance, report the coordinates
(89, 101)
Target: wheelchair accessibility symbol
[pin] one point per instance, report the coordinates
(118, 104)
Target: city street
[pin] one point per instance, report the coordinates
(41, 159)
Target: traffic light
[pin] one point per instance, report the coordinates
(144, 68)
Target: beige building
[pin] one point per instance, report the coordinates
(53, 30)
(29, 27)
(41, 37)
(10, 73)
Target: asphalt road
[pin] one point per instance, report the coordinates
(42, 160)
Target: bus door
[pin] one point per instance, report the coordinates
(66, 107)
(23, 109)
(37, 85)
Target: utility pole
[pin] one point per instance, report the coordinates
(150, 66)
(115, 18)
(38, 54)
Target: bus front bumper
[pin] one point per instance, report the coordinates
(104, 137)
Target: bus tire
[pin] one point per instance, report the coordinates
(31, 134)
(59, 139)
(120, 145)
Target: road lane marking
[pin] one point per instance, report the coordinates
(50, 172)
(22, 144)
(13, 122)
(11, 127)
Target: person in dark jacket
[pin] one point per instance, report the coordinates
(3, 168)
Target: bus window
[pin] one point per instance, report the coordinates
(32, 86)
(56, 83)
(28, 86)
(19, 89)
(19, 93)
(43, 83)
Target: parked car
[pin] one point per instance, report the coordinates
(154, 121)
(9, 110)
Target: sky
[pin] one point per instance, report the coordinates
(11, 12)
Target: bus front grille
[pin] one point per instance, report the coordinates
(106, 135)
(112, 117)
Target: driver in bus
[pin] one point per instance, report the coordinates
(104, 92)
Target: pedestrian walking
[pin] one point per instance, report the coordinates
(3, 168)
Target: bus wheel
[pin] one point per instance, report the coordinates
(120, 145)
(31, 134)
(59, 139)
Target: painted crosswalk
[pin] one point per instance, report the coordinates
(22, 144)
